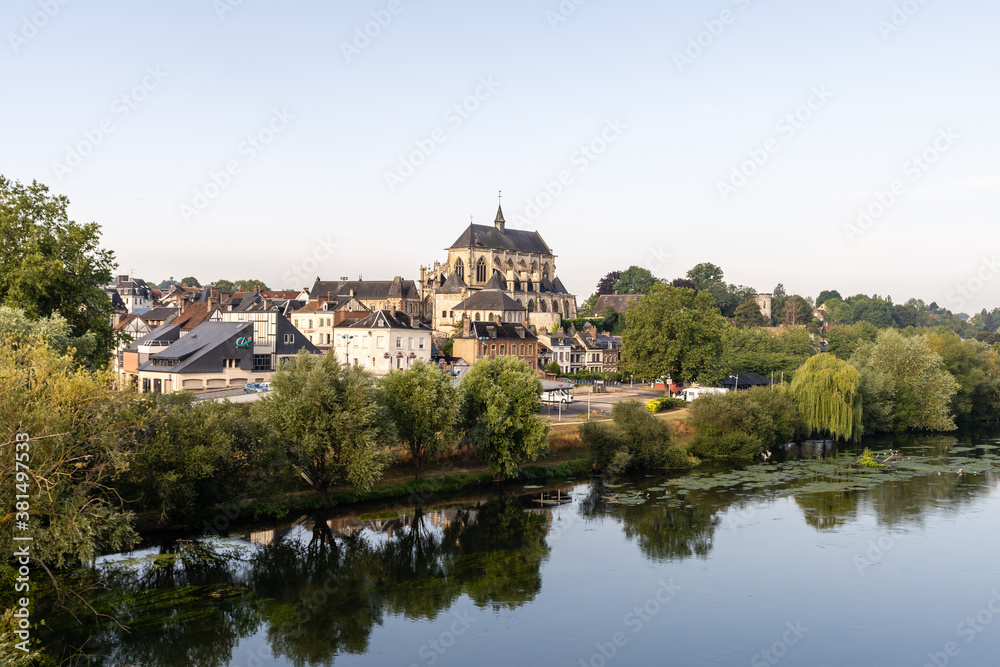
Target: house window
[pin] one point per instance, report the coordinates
(399, 343)
(290, 338)
(328, 339)
(452, 313)
(501, 349)
(310, 324)
(380, 342)
(262, 362)
(421, 343)
(409, 343)
(146, 385)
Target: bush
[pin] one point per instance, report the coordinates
(743, 424)
(634, 441)
(664, 403)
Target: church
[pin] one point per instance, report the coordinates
(495, 274)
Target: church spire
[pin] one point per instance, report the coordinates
(499, 222)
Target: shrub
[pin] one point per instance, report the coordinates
(663, 403)
(743, 424)
(635, 440)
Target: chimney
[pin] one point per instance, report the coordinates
(256, 289)
(352, 292)
(465, 327)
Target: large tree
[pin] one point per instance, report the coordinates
(976, 367)
(673, 332)
(334, 429)
(64, 434)
(190, 281)
(51, 264)
(635, 280)
(797, 311)
(827, 294)
(500, 401)
(904, 384)
(423, 404)
(606, 285)
(828, 393)
(748, 315)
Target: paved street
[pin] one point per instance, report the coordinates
(600, 404)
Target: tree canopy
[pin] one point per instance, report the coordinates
(673, 332)
(501, 397)
(828, 393)
(51, 264)
(606, 285)
(423, 404)
(635, 280)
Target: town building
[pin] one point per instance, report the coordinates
(318, 318)
(480, 340)
(383, 341)
(135, 293)
(616, 302)
(526, 267)
(395, 294)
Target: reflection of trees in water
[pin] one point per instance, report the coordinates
(664, 531)
(320, 598)
(830, 509)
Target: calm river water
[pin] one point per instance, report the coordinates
(799, 560)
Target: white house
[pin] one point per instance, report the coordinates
(385, 340)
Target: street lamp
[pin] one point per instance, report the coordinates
(347, 348)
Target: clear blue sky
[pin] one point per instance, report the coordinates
(651, 198)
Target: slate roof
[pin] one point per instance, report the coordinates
(746, 380)
(169, 333)
(454, 285)
(489, 299)
(618, 302)
(159, 314)
(499, 330)
(387, 319)
(515, 240)
(370, 290)
(203, 349)
(558, 287)
(496, 281)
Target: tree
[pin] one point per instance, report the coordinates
(70, 429)
(167, 284)
(606, 285)
(636, 440)
(423, 404)
(743, 424)
(225, 285)
(673, 332)
(842, 341)
(635, 280)
(331, 421)
(827, 391)
(684, 283)
(878, 313)
(778, 298)
(501, 397)
(705, 275)
(50, 264)
(190, 281)
(826, 295)
(748, 315)
(553, 367)
(976, 367)
(587, 308)
(904, 383)
(797, 310)
(250, 285)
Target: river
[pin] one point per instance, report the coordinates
(799, 560)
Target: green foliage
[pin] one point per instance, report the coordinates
(50, 264)
(663, 403)
(743, 424)
(79, 428)
(10, 655)
(553, 367)
(334, 429)
(190, 281)
(843, 341)
(826, 295)
(636, 440)
(500, 401)
(976, 368)
(635, 280)
(753, 350)
(904, 384)
(827, 391)
(868, 460)
(606, 285)
(796, 311)
(586, 309)
(672, 332)
(423, 405)
(748, 315)
(195, 456)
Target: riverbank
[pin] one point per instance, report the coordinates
(454, 473)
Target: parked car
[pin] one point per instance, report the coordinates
(252, 387)
(557, 396)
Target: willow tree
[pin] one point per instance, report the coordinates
(828, 393)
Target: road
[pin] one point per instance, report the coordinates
(600, 404)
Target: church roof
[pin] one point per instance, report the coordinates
(489, 299)
(496, 281)
(513, 240)
(454, 284)
(371, 290)
(558, 286)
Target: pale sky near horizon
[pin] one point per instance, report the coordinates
(130, 108)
